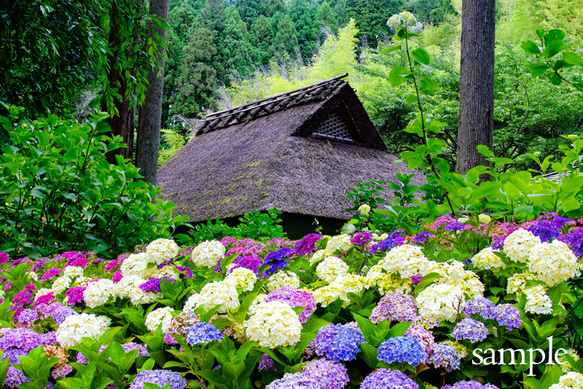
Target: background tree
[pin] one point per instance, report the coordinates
(476, 108)
(148, 144)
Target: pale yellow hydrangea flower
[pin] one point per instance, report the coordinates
(161, 250)
(338, 243)
(216, 294)
(553, 262)
(84, 325)
(441, 301)
(275, 324)
(242, 278)
(282, 278)
(98, 292)
(571, 380)
(518, 245)
(537, 301)
(208, 253)
(486, 259)
(330, 268)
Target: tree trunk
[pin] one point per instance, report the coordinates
(123, 123)
(150, 119)
(476, 108)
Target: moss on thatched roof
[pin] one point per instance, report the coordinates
(286, 156)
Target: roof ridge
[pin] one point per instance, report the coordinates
(272, 104)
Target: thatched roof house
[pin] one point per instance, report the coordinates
(298, 151)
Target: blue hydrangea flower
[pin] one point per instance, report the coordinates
(470, 329)
(507, 315)
(445, 356)
(202, 333)
(338, 342)
(277, 260)
(402, 349)
(545, 230)
(388, 379)
(159, 377)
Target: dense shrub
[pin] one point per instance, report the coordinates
(59, 192)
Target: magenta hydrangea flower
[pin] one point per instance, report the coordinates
(51, 273)
(4, 258)
(307, 244)
(75, 294)
(361, 238)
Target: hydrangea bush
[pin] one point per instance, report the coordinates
(360, 310)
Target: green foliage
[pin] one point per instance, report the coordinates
(172, 142)
(60, 193)
(254, 225)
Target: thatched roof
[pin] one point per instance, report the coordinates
(299, 152)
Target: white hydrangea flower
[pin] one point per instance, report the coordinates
(33, 276)
(405, 19)
(162, 250)
(441, 301)
(350, 283)
(518, 245)
(84, 325)
(517, 282)
(129, 287)
(387, 282)
(553, 262)
(98, 292)
(159, 316)
(256, 303)
(282, 278)
(167, 271)
(571, 380)
(242, 278)
(486, 259)
(330, 268)
(139, 297)
(338, 243)
(61, 284)
(73, 271)
(219, 293)
(538, 301)
(208, 253)
(81, 281)
(275, 324)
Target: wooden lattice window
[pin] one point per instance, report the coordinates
(334, 127)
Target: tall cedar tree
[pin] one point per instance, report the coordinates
(150, 121)
(476, 108)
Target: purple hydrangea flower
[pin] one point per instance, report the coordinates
(75, 295)
(187, 271)
(423, 335)
(422, 237)
(480, 306)
(160, 378)
(402, 349)
(202, 333)
(328, 374)
(470, 329)
(250, 262)
(361, 238)
(294, 381)
(338, 342)
(4, 258)
(295, 298)
(395, 305)
(469, 385)
(266, 363)
(415, 279)
(307, 244)
(394, 239)
(26, 317)
(152, 285)
(14, 377)
(388, 379)
(51, 273)
(445, 356)
(507, 315)
(454, 227)
(574, 240)
(61, 313)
